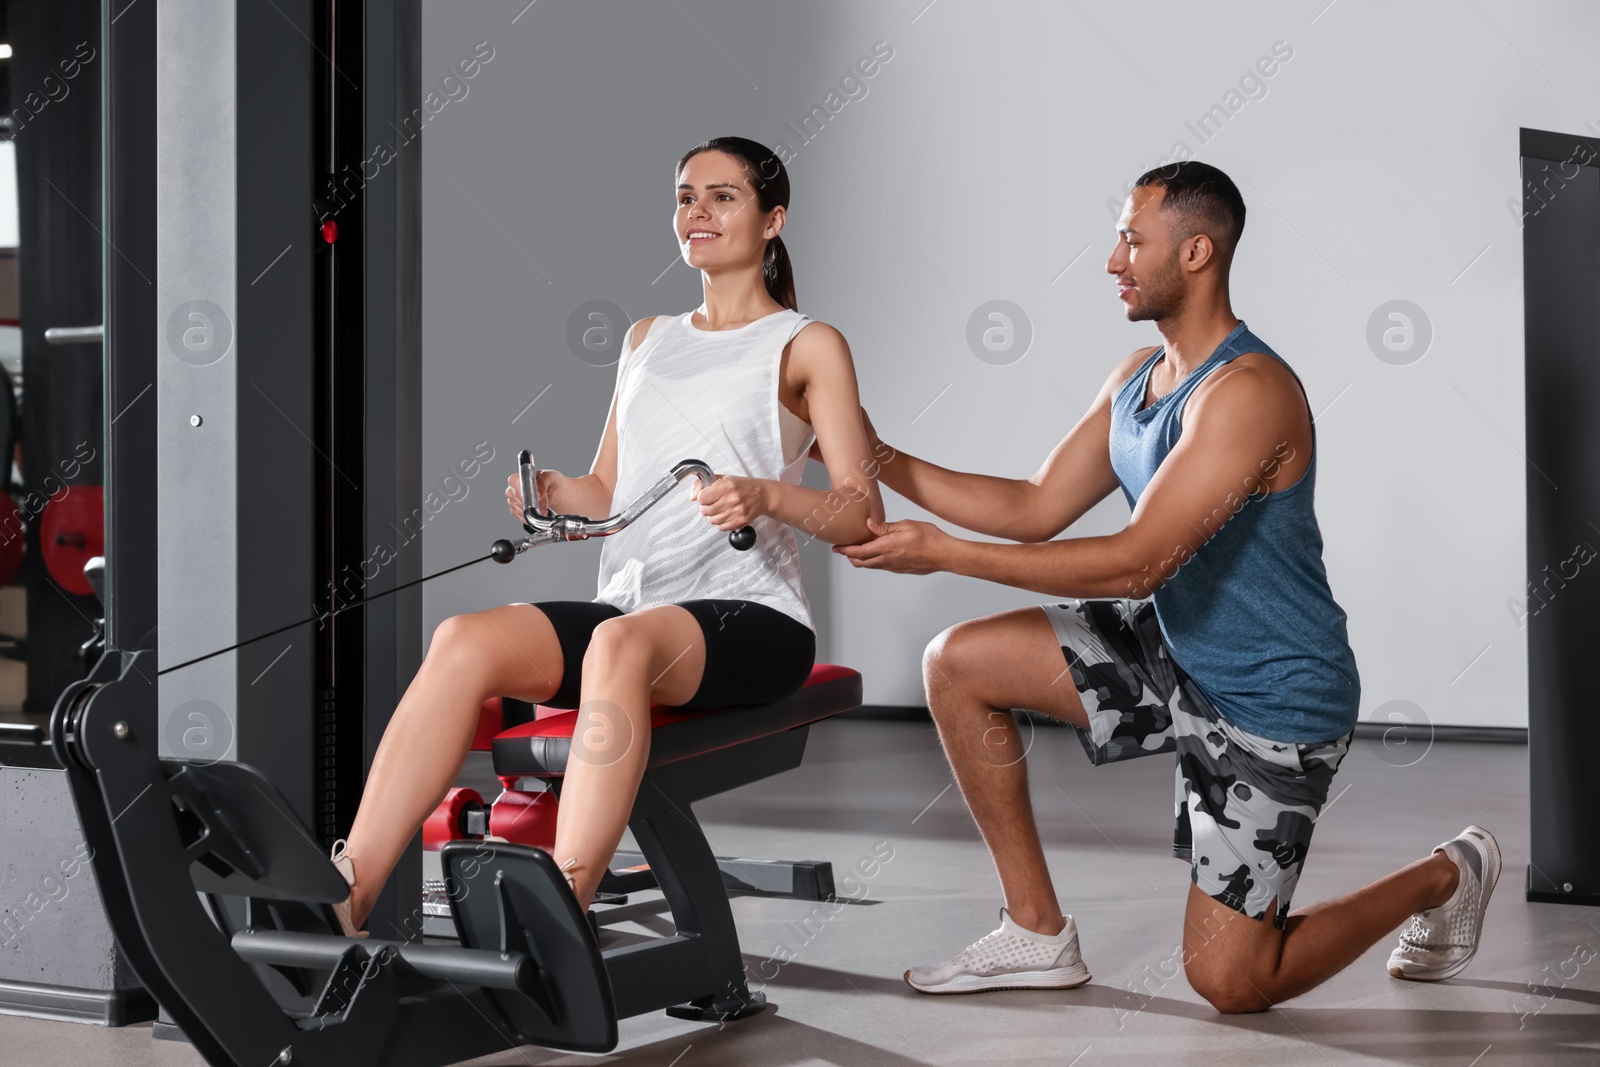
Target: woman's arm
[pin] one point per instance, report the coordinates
(819, 365)
(820, 361)
(821, 368)
(588, 495)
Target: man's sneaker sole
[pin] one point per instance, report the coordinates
(1490, 877)
(1067, 978)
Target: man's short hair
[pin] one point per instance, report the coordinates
(1200, 199)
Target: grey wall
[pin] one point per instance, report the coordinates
(985, 160)
(53, 930)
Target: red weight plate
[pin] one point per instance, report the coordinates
(444, 825)
(525, 818)
(72, 531)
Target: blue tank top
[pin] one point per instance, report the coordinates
(1249, 616)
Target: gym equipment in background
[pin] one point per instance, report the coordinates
(73, 532)
(220, 898)
(1561, 274)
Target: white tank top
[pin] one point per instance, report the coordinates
(711, 395)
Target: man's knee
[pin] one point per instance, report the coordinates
(1225, 958)
(1226, 988)
(948, 659)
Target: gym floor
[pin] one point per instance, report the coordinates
(871, 789)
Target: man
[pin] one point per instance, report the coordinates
(1205, 627)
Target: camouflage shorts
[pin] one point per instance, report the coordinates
(1245, 805)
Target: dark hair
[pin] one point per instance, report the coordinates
(771, 182)
(1203, 199)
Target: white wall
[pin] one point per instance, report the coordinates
(8, 194)
(1376, 165)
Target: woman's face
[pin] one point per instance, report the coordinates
(719, 223)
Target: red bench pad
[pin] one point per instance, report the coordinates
(539, 748)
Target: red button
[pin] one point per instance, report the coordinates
(330, 231)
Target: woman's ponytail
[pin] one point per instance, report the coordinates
(778, 273)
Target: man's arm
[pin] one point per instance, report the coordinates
(1241, 436)
(1075, 477)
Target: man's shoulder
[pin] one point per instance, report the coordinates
(1258, 374)
(1252, 394)
(1130, 365)
(1132, 361)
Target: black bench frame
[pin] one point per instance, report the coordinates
(272, 988)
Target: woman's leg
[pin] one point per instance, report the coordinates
(655, 655)
(506, 651)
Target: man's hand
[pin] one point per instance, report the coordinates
(907, 547)
(730, 502)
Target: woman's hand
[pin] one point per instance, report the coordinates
(730, 502)
(907, 547)
(548, 483)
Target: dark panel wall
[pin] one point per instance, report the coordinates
(55, 110)
(392, 229)
(274, 393)
(1561, 264)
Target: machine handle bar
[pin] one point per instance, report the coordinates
(545, 527)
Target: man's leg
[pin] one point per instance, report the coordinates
(1252, 804)
(1240, 964)
(975, 673)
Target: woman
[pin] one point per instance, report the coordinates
(681, 618)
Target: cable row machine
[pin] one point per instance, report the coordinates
(278, 444)
(263, 382)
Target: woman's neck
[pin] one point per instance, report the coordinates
(732, 301)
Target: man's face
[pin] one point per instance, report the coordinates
(1150, 283)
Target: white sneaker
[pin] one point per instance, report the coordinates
(1440, 941)
(347, 868)
(1008, 958)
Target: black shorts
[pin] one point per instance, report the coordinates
(755, 654)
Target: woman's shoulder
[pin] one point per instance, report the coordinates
(818, 349)
(640, 329)
(815, 335)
